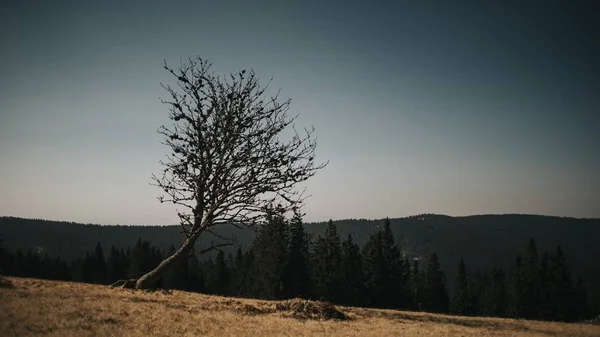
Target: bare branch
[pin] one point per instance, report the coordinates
(212, 247)
(228, 162)
(220, 236)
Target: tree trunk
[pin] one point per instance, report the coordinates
(148, 279)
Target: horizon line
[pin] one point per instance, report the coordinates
(325, 221)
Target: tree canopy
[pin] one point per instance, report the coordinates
(229, 162)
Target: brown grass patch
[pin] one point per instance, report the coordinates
(306, 309)
(249, 309)
(51, 308)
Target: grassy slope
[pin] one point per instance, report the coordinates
(40, 307)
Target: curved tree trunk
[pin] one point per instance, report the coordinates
(149, 278)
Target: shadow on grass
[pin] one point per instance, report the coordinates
(5, 282)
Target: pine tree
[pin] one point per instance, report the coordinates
(581, 300)
(417, 285)
(221, 274)
(207, 268)
(4, 258)
(531, 283)
(115, 269)
(352, 273)
(197, 281)
(462, 303)
(499, 296)
(238, 273)
(98, 265)
(76, 267)
(87, 269)
(387, 274)
(242, 269)
(326, 263)
(517, 290)
(61, 270)
(32, 264)
(544, 291)
(407, 300)
(19, 263)
(270, 257)
(561, 291)
(126, 260)
(249, 289)
(435, 297)
(297, 273)
(139, 259)
(142, 259)
(480, 287)
(45, 270)
(375, 269)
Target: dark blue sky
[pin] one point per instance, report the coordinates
(421, 107)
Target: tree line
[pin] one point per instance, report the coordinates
(285, 262)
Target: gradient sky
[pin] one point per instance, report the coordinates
(420, 106)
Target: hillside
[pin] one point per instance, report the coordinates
(482, 240)
(49, 308)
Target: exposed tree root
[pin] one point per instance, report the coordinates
(125, 284)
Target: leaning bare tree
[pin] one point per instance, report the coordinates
(229, 161)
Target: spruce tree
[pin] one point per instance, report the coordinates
(115, 269)
(462, 303)
(138, 262)
(374, 267)
(98, 265)
(144, 257)
(435, 297)
(407, 300)
(531, 283)
(417, 285)
(499, 296)
(481, 286)
(61, 269)
(76, 267)
(581, 300)
(326, 263)
(45, 269)
(249, 282)
(352, 273)
(544, 291)
(87, 269)
(297, 273)
(562, 294)
(387, 274)
(270, 257)
(197, 280)
(517, 290)
(207, 268)
(19, 263)
(4, 258)
(221, 274)
(238, 273)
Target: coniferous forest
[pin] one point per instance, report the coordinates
(284, 261)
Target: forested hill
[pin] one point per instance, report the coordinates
(481, 240)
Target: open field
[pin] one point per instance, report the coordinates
(52, 308)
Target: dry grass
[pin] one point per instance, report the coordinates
(5, 282)
(39, 307)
